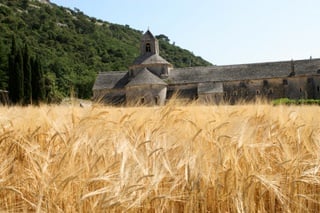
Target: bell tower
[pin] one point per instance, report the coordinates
(149, 44)
(150, 58)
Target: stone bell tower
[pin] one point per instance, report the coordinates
(149, 58)
(149, 44)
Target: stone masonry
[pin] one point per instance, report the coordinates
(151, 80)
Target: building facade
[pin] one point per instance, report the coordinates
(151, 80)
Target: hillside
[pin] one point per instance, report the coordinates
(73, 47)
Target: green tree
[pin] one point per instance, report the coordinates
(24, 4)
(27, 76)
(3, 80)
(18, 66)
(3, 67)
(37, 81)
(12, 73)
(52, 93)
(71, 42)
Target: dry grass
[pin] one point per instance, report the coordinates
(249, 158)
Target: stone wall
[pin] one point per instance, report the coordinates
(295, 87)
(183, 91)
(298, 88)
(110, 96)
(146, 94)
(292, 87)
(215, 98)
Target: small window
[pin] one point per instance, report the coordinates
(242, 84)
(148, 48)
(142, 100)
(318, 88)
(265, 83)
(270, 91)
(300, 90)
(318, 71)
(285, 82)
(258, 92)
(235, 93)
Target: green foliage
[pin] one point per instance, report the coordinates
(74, 47)
(26, 79)
(3, 67)
(27, 76)
(177, 56)
(37, 81)
(16, 80)
(287, 101)
(19, 76)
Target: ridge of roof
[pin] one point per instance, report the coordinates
(150, 59)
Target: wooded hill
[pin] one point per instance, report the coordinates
(73, 47)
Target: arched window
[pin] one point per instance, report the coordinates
(270, 91)
(148, 48)
(157, 100)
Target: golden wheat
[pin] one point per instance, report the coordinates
(176, 158)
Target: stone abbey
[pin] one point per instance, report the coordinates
(151, 80)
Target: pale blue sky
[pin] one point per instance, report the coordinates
(224, 31)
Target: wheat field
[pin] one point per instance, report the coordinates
(176, 158)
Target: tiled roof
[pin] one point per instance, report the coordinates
(148, 35)
(145, 77)
(244, 71)
(111, 80)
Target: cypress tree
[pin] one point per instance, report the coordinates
(15, 73)
(18, 67)
(42, 88)
(3, 67)
(27, 76)
(38, 87)
(12, 85)
(34, 81)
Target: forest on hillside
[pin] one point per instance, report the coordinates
(72, 47)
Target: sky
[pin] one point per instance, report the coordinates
(220, 31)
